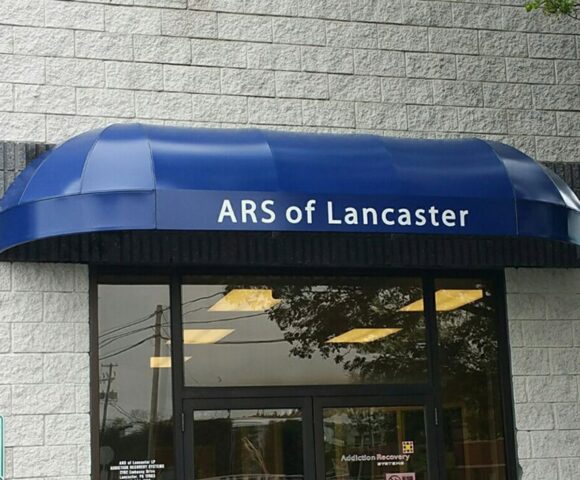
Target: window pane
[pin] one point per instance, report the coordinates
(135, 381)
(374, 443)
(249, 444)
(299, 332)
(468, 334)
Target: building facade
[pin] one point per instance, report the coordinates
(411, 68)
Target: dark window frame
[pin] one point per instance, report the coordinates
(174, 278)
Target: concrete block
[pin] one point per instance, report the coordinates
(534, 416)
(21, 69)
(5, 338)
(446, 92)
(66, 307)
(503, 44)
(22, 12)
(134, 76)
(567, 416)
(165, 105)
(481, 69)
(74, 15)
(355, 87)
(6, 399)
(6, 96)
(548, 333)
(220, 108)
(565, 361)
(516, 336)
(273, 57)
(81, 337)
(191, 24)
(557, 97)
(563, 307)
(527, 70)
(114, 103)
(504, 95)
(542, 280)
(51, 42)
(20, 307)
(42, 337)
(300, 31)
(69, 429)
(557, 149)
(555, 443)
(432, 118)
(24, 430)
(568, 71)
(332, 60)
(381, 116)
(444, 40)
(382, 11)
(379, 62)
(274, 111)
(218, 53)
(328, 113)
(301, 85)
(429, 13)
(157, 49)
(74, 72)
(482, 120)
(351, 35)
(44, 98)
(568, 123)
(569, 468)
(82, 399)
(55, 461)
(84, 461)
(81, 278)
(526, 306)
(43, 399)
(523, 444)
(5, 276)
(535, 469)
(431, 65)
(532, 122)
(245, 27)
(403, 37)
(66, 368)
(22, 127)
(552, 46)
(133, 20)
(20, 369)
(552, 389)
(407, 90)
(257, 83)
(530, 361)
(103, 45)
(191, 79)
(485, 17)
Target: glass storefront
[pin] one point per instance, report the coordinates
(314, 378)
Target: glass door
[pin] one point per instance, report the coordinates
(365, 438)
(249, 439)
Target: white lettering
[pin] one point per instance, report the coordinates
(448, 217)
(384, 217)
(420, 216)
(265, 206)
(293, 215)
(404, 217)
(433, 212)
(351, 216)
(227, 211)
(331, 219)
(462, 215)
(248, 210)
(310, 206)
(373, 213)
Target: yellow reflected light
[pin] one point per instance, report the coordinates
(246, 300)
(447, 300)
(363, 335)
(204, 337)
(162, 362)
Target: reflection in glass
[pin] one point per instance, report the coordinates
(135, 379)
(248, 444)
(297, 331)
(366, 443)
(473, 423)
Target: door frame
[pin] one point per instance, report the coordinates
(312, 406)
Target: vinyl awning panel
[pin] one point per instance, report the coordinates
(140, 177)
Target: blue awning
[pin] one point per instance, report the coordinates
(141, 177)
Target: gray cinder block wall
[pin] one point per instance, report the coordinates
(44, 370)
(544, 320)
(393, 67)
